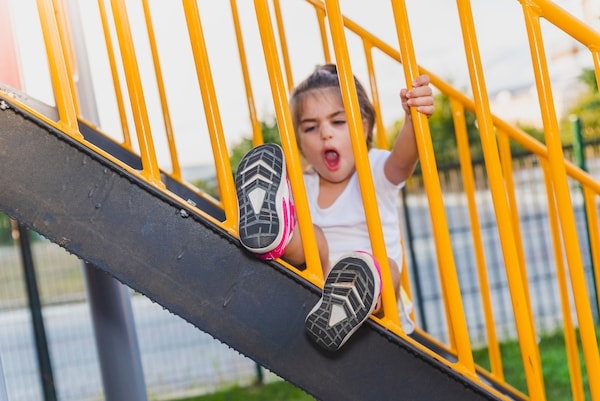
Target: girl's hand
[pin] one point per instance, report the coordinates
(420, 96)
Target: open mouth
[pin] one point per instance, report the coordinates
(331, 158)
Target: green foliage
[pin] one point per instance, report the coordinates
(588, 77)
(441, 128)
(5, 230)
(208, 186)
(270, 133)
(587, 111)
(535, 132)
(443, 135)
(586, 108)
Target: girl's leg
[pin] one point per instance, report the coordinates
(294, 251)
(395, 274)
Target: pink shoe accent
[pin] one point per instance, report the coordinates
(289, 219)
(376, 263)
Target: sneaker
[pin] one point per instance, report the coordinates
(265, 209)
(349, 297)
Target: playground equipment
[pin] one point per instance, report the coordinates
(110, 198)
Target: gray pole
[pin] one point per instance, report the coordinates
(116, 337)
(110, 301)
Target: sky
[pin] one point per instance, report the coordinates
(433, 23)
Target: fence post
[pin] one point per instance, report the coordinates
(418, 294)
(3, 392)
(579, 154)
(35, 307)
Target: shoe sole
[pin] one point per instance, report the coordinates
(260, 187)
(349, 297)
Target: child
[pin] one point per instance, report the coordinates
(267, 223)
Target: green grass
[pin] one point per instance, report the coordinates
(554, 366)
(276, 391)
(59, 275)
(60, 278)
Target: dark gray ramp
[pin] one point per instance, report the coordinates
(134, 232)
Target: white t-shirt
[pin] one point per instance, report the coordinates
(344, 223)
(345, 226)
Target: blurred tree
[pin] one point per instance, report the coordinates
(586, 108)
(441, 128)
(270, 134)
(588, 77)
(5, 230)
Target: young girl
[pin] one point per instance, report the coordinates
(267, 223)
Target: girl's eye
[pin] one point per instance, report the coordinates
(338, 122)
(309, 128)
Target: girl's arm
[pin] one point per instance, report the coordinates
(404, 156)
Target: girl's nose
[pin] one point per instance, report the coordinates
(325, 133)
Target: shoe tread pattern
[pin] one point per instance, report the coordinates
(261, 171)
(350, 286)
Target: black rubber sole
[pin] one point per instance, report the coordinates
(349, 297)
(260, 185)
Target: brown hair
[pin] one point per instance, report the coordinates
(326, 76)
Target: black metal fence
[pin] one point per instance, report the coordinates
(178, 359)
(535, 231)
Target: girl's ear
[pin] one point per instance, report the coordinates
(368, 133)
(365, 124)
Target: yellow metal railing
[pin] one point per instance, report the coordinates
(516, 273)
(495, 135)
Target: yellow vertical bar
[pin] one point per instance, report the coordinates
(405, 280)
(115, 76)
(211, 110)
(59, 72)
(363, 169)
(507, 172)
(150, 170)
(561, 277)
(323, 30)
(447, 268)
(288, 142)
(506, 163)
(563, 197)
(466, 168)
(283, 44)
(68, 51)
(176, 170)
(529, 349)
(382, 141)
(257, 137)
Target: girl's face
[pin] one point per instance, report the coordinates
(324, 137)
